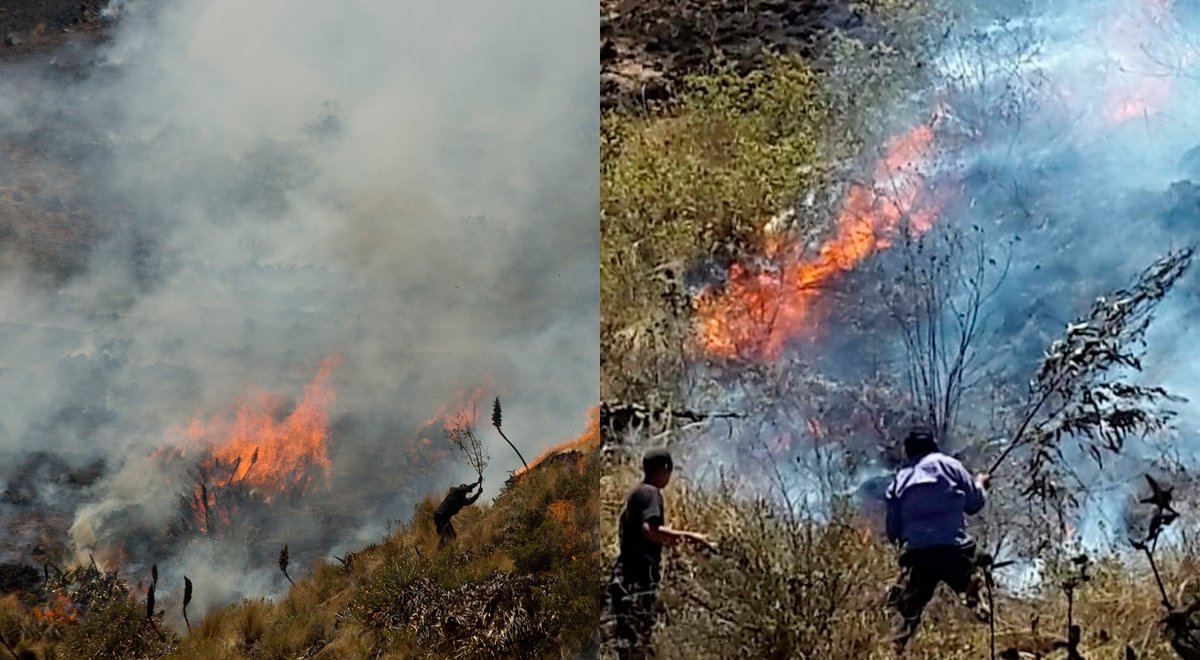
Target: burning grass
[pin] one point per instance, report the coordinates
(758, 311)
(521, 581)
(695, 180)
(689, 189)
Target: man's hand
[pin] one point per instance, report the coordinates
(984, 480)
(699, 541)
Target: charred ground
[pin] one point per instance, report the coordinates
(647, 48)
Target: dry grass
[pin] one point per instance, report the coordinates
(817, 591)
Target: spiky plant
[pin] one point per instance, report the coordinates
(233, 472)
(496, 420)
(283, 564)
(204, 502)
(150, 601)
(187, 598)
(253, 460)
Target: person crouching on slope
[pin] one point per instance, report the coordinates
(456, 500)
(643, 533)
(927, 505)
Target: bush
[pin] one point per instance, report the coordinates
(117, 628)
(695, 180)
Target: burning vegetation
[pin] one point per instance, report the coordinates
(520, 581)
(761, 308)
(258, 459)
(778, 322)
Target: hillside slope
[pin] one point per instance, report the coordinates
(520, 582)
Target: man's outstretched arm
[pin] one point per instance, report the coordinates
(663, 535)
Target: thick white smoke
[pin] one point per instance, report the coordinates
(225, 193)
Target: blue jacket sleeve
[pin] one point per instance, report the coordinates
(895, 530)
(976, 498)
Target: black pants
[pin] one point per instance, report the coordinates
(923, 571)
(445, 530)
(635, 607)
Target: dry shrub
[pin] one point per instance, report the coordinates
(777, 588)
(250, 620)
(215, 624)
(114, 629)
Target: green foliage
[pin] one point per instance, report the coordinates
(370, 604)
(557, 514)
(696, 179)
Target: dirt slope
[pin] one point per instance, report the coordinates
(647, 45)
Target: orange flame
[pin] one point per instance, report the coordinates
(757, 313)
(286, 449)
(1140, 89)
(464, 400)
(57, 609)
(588, 441)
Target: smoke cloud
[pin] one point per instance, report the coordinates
(1064, 135)
(220, 195)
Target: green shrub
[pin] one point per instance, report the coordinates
(696, 179)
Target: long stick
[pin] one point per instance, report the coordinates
(1016, 439)
(510, 444)
(991, 615)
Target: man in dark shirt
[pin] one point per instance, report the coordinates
(643, 534)
(455, 501)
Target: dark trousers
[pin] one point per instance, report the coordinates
(635, 607)
(923, 571)
(445, 530)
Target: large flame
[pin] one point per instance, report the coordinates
(586, 442)
(759, 310)
(467, 400)
(285, 450)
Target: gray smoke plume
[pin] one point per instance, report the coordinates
(1065, 145)
(219, 195)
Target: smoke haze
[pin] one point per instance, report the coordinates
(223, 194)
(1064, 133)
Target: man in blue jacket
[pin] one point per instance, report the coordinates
(927, 506)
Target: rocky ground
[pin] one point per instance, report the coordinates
(647, 46)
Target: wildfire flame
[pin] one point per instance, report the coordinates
(285, 449)
(759, 310)
(57, 609)
(588, 441)
(465, 399)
